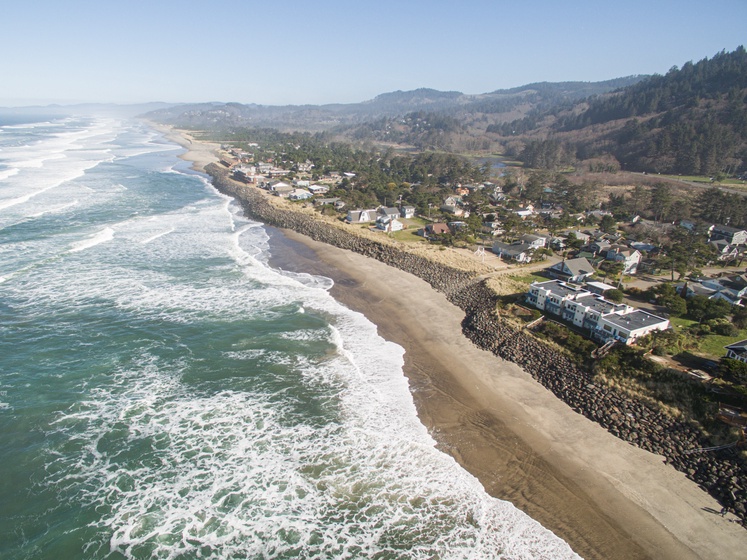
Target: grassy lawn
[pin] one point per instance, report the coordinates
(681, 323)
(408, 235)
(713, 344)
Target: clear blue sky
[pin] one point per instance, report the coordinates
(335, 51)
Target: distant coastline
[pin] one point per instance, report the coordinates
(621, 497)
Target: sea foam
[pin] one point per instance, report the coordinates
(216, 407)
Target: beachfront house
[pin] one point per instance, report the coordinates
(361, 216)
(629, 327)
(245, 173)
(229, 161)
(572, 270)
(318, 189)
(279, 188)
(336, 202)
(391, 213)
(388, 224)
(518, 252)
(437, 228)
(299, 194)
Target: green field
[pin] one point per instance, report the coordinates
(732, 183)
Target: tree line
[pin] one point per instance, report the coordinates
(691, 121)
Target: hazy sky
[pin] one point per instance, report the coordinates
(334, 51)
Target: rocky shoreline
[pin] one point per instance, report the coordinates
(723, 474)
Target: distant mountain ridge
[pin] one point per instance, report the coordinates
(691, 121)
(392, 104)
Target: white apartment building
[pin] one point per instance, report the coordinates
(603, 319)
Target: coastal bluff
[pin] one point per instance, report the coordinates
(723, 474)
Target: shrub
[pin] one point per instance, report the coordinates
(614, 295)
(725, 329)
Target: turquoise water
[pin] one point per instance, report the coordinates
(166, 393)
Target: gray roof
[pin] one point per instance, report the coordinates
(597, 303)
(529, 237)
(740, 346)
(635, 320)
(389, 211)
(513, 249)
(559, 288)
(575, 266)
(726, 229)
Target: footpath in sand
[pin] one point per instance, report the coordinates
(605, 497)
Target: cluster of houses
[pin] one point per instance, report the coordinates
(265, 176)
(730, 243)
(730, 288)
(597, 247)
(385, 218)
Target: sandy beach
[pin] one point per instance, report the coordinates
(605, 497)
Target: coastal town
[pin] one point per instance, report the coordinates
(609, 281)
(599, 249)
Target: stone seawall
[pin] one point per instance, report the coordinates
(721, 473)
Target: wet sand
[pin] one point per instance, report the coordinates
(605, 497)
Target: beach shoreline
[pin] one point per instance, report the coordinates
(606, 498)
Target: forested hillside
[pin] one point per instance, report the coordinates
(693, 120)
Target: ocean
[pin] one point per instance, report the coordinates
(166, 393)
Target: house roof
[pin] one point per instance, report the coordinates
(389, 211)
(696, 289)
(600, 286)
(559, 288)
(635, 320)
(361, 215)
(726, 229)
(598, 304)
(513, 249)
(528, 237)
(575, 266)
(738, 347)
(437, 228)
